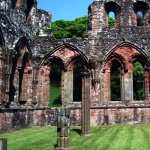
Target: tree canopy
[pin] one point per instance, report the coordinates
(69, 29)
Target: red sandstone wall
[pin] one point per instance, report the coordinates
(99, 116)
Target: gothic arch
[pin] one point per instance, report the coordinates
(130, 45)
(141, 59)
(69, 57)
(127, 53)
(62, 50)
(22, 42)
(118, 58)
(27, 4)
(113, 10)
(140, 8)
(21, 66)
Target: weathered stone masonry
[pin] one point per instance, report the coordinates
(27, 51)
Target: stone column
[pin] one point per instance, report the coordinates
(128, 83)
(35, 85)
(85, 105)
(67, 86)
(146, 85)
(26, 94)
(16, 88)
(2, 90)
(8, 69)
(43, 86)
(107, 85)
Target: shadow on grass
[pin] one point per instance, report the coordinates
(78, 131)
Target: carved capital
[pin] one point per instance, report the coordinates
(85, 74)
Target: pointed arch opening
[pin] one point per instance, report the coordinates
(138, 80)
(113, 10)
(18, 78)
(116, 80)
(140, 9)
(77, 81)
(66, 63)
(134, 81)
(55, 94)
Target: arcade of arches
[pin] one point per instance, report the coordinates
(126, 75)
(123, 79)
(58, 79)
(104, 77)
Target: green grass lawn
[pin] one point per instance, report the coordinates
(118, 137)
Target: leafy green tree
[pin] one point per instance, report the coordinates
(69, 29)
(138, 81)
(111, 22)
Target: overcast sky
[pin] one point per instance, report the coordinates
(65, 9)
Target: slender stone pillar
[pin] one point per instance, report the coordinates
(85, 107)
(8, 69)
(107, 85)
(35, 85)
(147, 85)
(26, 93)
(43, 86)
(67, 86)
(16, 88)
(2, 91)
(128, 84)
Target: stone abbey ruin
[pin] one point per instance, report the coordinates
(106, 57)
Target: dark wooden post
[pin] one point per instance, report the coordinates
(85, 107)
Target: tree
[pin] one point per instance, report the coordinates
(111, 22)
(68, 29)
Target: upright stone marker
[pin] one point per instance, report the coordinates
(63, 123)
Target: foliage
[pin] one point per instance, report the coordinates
(55, 85)
(138, 81)
(69, 29)
(118, 137)
(111, 22)
(55, 96)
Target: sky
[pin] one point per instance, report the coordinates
(65, 9)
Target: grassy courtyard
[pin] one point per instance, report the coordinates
(118, 137)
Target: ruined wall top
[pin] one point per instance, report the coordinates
(125, 13)
(21, 18)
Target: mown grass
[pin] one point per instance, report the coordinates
(118, 137)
